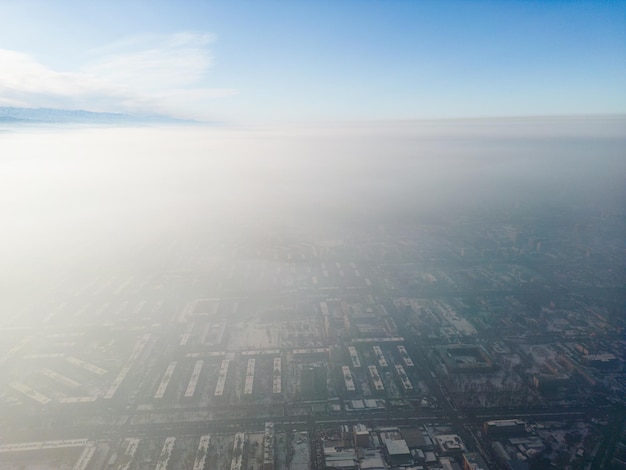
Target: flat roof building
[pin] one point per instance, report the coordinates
(450, 444)
(504, 427)
(398, 452)
(473, 461)
(348, 380)
(340, 459)
(276, 376)
(361, 436)
(268, 447)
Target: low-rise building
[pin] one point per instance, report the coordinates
(473, 461)
(398, 452)
(504, 427)
(449, 444)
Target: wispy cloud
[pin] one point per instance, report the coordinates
(144, 74)
(154, 62)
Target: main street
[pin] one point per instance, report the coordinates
(126, 427)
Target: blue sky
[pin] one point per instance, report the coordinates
(316, 61)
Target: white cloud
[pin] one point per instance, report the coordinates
(145, 74)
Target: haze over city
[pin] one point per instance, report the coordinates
(312, 235)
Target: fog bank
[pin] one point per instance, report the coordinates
(82, 199)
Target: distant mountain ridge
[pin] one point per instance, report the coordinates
(67, 116)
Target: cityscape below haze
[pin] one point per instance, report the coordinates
(312, 235)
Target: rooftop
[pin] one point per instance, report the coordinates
(397, 447)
